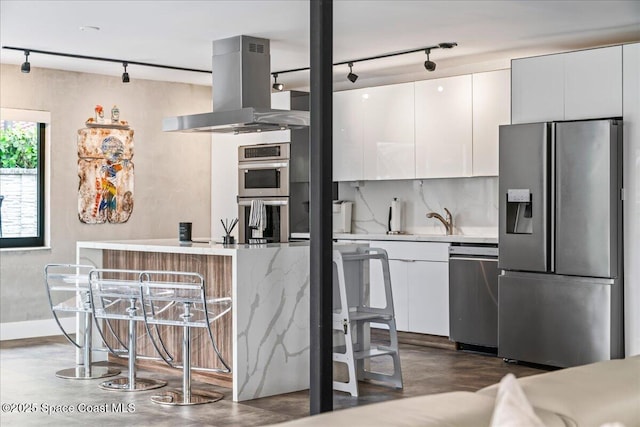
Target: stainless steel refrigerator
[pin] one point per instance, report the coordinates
(560, 293)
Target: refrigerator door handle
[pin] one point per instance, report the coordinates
(552, 199)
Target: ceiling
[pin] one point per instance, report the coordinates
(179, 33)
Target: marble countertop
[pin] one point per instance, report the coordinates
(456, 238)
(204, 246)
(201, 246)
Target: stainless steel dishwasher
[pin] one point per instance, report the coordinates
(473, 297)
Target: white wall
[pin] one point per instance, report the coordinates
(172, 171)
(631, 111)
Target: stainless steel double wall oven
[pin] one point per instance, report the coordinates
(277, 174)
(263, 174)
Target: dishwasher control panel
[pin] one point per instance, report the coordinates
(477, 250)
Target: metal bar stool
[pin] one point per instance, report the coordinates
(116, 295)
(179, 299)
(68, 292)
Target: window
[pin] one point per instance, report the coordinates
(22, 178)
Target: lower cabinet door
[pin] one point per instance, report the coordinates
(420, 295)
(428, 297)
(398, 273)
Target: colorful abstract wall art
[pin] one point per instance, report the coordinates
(105, 170)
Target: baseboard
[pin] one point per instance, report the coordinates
(35, 328)
(425, 340)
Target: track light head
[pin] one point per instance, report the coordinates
(429, 65)
(351, 76)
(447, 45)
(125, 75)
(26, 66)
(277, 86)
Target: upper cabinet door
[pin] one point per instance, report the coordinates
(348, 113)
(593, 83)
(388, 132)
(491, 108)
(443, 127)
(537, 89)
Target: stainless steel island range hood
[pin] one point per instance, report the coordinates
(241, 93)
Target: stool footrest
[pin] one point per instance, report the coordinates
(369, 315)
(140, 384)
(176, 398)
(81, 373)
(373, 352)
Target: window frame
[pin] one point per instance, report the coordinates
(42, 119)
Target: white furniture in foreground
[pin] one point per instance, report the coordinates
(585, 396)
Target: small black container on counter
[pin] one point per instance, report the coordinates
(184, 232)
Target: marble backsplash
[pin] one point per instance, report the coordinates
(473, 203)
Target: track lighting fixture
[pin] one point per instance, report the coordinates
(351, 76)
(277, 86)
(429, 65)
(26, 66)
(125, 75)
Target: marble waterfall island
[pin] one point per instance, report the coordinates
(266, 335)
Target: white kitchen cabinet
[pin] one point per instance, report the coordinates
(443, 114)
(373, 133)
(537, 89)
(388, 142)
(491, 108)
(348, 132)
(281, 100)
(576, 85)
(593, 83)
(398, 273)
(420, 285)
(428, 292)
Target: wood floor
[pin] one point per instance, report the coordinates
(28, 377)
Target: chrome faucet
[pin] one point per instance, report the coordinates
(448, 223)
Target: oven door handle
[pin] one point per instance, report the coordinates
(266, 202)
(270, 165)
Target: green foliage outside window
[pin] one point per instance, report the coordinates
(18, 148)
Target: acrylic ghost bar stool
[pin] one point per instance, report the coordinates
(68, 293)
(116, 296)
(178, 299)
